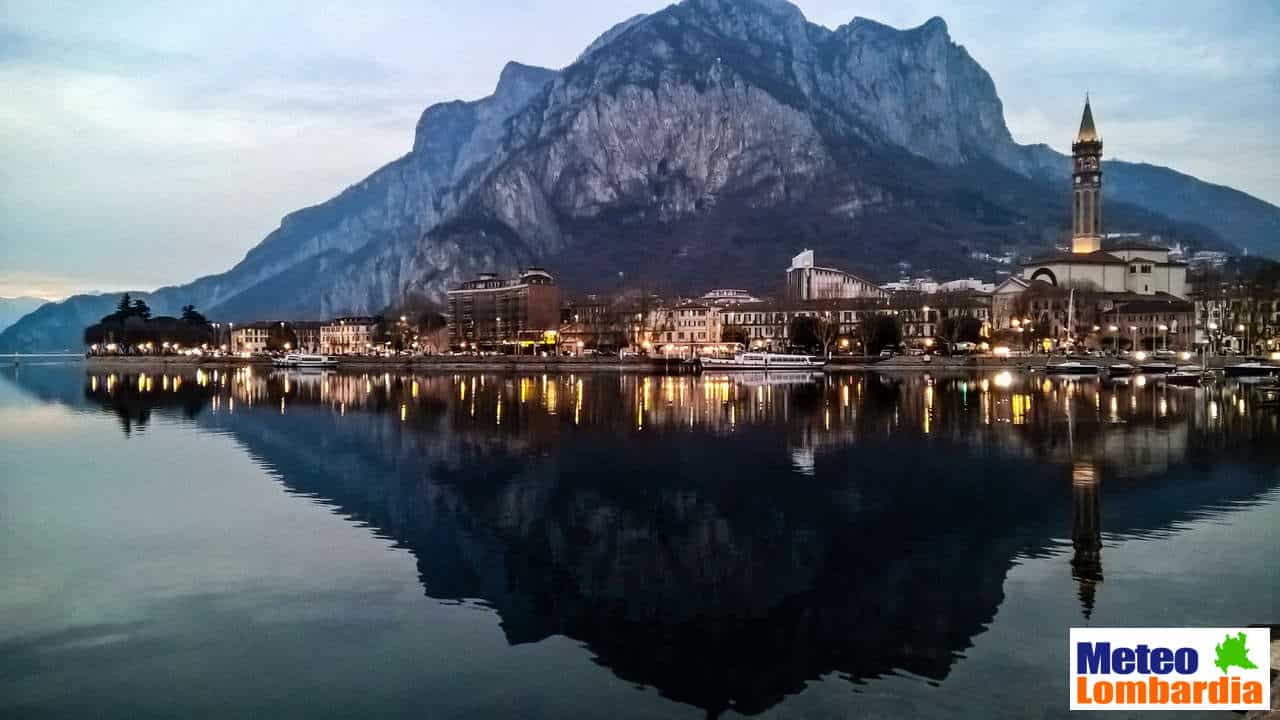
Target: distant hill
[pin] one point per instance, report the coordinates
(13, 308)
(700, 146)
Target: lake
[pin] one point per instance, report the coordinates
(265, 544)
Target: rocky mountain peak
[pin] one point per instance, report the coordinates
(518, 79)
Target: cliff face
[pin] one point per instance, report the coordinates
(700, 145)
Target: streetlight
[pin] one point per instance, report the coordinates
(1164, 329)
(1133, 330)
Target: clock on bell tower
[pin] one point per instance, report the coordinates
(1086, 186)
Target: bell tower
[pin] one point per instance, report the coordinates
(1086, 186)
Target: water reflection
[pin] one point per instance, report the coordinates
(728, 539)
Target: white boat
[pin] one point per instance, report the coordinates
(1072, 367)
(1120, 369)
(761, 361)
(305, 360)
(1157, 367)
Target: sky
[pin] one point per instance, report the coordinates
(149, 143)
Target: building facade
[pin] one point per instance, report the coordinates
(489, 312)
(806, 282)
(349, 335)
(307, 335)
(685, 329)
(250, 338)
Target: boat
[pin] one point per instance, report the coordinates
(1120, 369)
(1185, 376)
(305, 360)
(1267, 393)
(761, 361)
(1253, 368)
(1072, 367)
(1157, 367)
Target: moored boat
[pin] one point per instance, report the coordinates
(1157, 367)
(1253, 368)
(1072, 367)
(761, 361)
(303, 361)
(1185, 376)
(1120, 369)
(1266, 393)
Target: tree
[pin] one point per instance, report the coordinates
(960, 328)
(124, 307)
(803, 331)
(881, 331)
(828, 331)
(191, 316)
(139, 308)
(279, 335)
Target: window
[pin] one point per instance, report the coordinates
(1146, 269)
(1133, 269)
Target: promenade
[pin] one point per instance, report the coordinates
(629, 365)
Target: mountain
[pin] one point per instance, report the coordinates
(699, 146)
(13, 308)
(59, 326)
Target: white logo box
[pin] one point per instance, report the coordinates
(1089, 696)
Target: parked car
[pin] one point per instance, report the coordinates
(886, 353)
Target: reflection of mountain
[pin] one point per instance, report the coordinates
(690, 555)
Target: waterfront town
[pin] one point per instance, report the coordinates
(1104, 292)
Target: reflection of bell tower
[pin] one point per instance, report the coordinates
(1086, 534)
(1086, 186)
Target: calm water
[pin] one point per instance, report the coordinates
(442, 546)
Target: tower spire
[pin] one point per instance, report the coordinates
(1086, 185)
(1087, 131)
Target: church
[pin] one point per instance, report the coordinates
(1122, 286)
(1125, 266)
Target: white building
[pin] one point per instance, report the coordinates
(806, 281)
(729, 296)
(1130, 267)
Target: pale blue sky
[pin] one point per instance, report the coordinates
(148, 143)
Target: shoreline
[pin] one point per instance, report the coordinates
(634, 365)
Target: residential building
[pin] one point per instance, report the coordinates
(1151, 323)
(490, 312)
(250, 338)
(767, 325)
(806, 281)
(307, 335)
(353, 335)
(687, 329)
